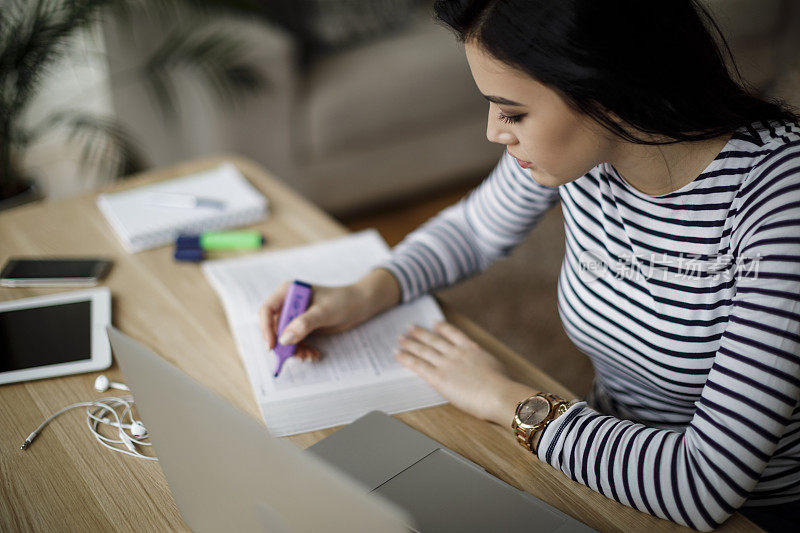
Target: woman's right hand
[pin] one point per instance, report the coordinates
(331, 310)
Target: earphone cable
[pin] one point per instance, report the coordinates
(104, 405)
(38, 430)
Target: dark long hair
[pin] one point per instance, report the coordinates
(653, 63)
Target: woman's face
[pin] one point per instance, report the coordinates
(554, 142)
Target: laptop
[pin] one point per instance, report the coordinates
(226, 472)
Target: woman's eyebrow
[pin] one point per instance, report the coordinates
(501, 100)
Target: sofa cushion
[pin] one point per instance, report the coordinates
(377, 91)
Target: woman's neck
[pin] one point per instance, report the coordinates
(661, 169)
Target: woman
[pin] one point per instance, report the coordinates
(681, 279)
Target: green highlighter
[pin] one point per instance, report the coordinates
(222, 240)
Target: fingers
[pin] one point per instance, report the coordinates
(271, 308)
(273, 319)
(307, 353)
(434, 340)
(264, 324)
(420, 350)
(269, 315)
(452, 334)
(422, 368)
(269, 320)
(302, 325)
(302, 351)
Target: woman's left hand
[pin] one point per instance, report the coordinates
(460, 370)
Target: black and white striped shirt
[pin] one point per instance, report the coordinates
(688, 305)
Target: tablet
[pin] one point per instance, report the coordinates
(54, 335)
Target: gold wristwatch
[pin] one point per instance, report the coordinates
(534, 413)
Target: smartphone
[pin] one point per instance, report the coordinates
(53, 272)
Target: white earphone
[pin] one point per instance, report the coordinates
(96, 415)
(137, 429)
(102, 384)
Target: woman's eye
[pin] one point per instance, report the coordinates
(510, 119)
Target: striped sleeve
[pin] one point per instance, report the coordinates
(700, 476)
(468, 236)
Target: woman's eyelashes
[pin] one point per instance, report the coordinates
(510, 119)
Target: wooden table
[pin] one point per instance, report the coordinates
(67, 482)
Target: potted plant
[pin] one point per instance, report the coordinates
(35, 34)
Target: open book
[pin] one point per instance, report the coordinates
(357, 372)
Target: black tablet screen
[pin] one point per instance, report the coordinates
(45, 335)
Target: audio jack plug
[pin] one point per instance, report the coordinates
(28, 440)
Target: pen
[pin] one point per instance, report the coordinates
(182, 201)
(296, 301)
(222, 240)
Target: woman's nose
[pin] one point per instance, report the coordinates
(496, 133)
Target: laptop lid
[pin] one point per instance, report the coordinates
(224, 469)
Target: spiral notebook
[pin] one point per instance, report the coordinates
(154, 215)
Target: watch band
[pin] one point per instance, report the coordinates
(525, 434)
(560, 409)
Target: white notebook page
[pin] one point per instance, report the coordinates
(357, 372)
(141, 220)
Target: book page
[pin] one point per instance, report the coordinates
(352, 362)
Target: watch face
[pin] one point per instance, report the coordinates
(534, 410)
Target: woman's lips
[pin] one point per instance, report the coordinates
(522, 162)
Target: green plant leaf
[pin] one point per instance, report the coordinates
(33, 35)
(104, 142)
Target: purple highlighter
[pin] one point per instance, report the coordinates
(295, 303)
